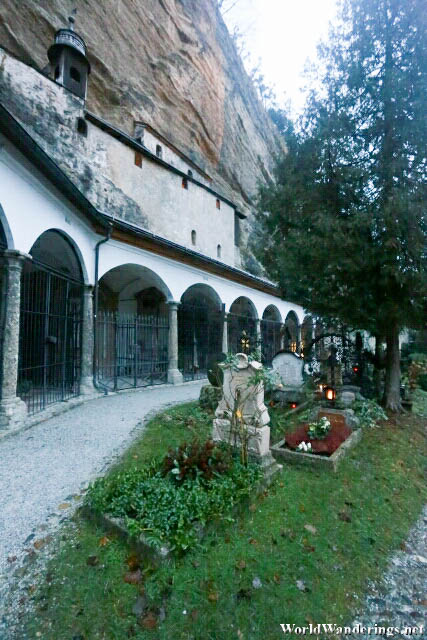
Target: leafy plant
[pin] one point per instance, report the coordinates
(368, 412)
(319, 429)
(194, 460)
(167, 511)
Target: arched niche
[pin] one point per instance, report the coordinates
(134, 289)
(291, 332)
(52, 287)
(271, 334)
(242, 331)
(306, 336)
(200, 326)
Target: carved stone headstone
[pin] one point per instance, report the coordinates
(241, 412)
(289, 366)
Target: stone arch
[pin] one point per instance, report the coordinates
(200, 326)
(122, 289)
(52, 290)
(291, 335)
(271, 334)
(307, 328)
(242, 326)
(6, 239)
(132, 328)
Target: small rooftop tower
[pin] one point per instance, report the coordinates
(68, 59)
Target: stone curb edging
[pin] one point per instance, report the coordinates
(314, 461)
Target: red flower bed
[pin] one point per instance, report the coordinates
(338, 433)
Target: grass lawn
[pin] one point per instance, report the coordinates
(302, 552)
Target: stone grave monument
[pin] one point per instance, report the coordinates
(289, 367)
(242, 415)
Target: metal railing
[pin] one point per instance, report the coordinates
(131, 350)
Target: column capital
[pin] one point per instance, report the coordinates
(14, 259)
(173, 303)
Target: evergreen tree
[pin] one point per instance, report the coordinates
(343, 229)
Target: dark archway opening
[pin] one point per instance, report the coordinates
(50, 323)
(291, 342)
(200, 325)
(271, 334)
(132, 329)
(242, 333)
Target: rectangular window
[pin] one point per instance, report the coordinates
(138, 159)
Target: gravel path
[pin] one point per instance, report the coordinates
(399, 604)
(43, 468)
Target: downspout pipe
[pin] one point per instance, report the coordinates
(96, 384)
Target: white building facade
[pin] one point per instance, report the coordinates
(120, 261)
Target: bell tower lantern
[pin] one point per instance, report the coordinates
(68, 60)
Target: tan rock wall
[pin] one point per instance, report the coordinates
(168, 62)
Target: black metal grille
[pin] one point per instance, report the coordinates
(270, 340)
(199, 339)
(50, 337)
(242, 334)
(131, 350)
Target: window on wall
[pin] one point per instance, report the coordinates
(218, 251)
(193, 237)
(185, 183)
(159, 152)
(218, 203)
(138, 159)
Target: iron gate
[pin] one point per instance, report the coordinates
(131, 350)
(242, 334)
(50, 337)
(270, 340)
(199, 339)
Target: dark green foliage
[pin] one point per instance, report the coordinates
(189, 461)
(422, 381)
(168, 507)
(210, 396)
(344, 229)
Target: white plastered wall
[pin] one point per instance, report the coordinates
(31, 206)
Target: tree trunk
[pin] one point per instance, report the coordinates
(378, 367)
(392, 374)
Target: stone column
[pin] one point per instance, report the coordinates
(174, 375)
(258, 334)
(86, 380)
(13, 410)
(299, 333)
(225, 333)
(282, 336)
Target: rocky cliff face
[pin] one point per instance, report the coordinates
(168, 62)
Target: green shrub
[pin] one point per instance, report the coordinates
(167, 511)
(188, 461)
(368, 411)
(422, 381)
(215, 372)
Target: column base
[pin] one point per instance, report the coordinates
(13, 412)
(174, 376)
(87, 387)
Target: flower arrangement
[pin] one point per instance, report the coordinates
(319, 430)
(305, 447)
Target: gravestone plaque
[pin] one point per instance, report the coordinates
(289, 366)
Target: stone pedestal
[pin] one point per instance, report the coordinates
(242, 417)
(174, 375)
(86, 380)
(13, 410)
